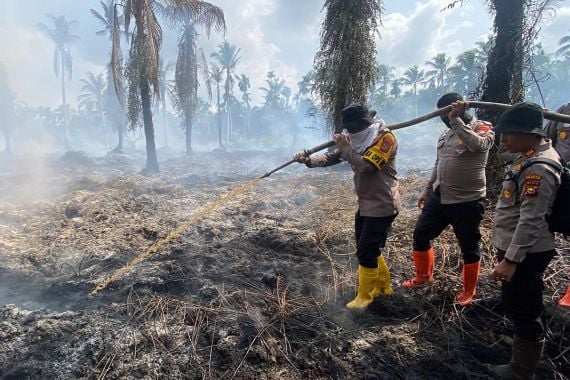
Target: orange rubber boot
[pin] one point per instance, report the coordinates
(470, 278)
(565, 301)
(424, 263)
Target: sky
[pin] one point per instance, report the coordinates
(278, 35)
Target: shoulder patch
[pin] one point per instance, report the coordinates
(388, 141)
(531, 185)
(483, 127)
(379, 153)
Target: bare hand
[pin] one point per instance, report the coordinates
(422, 200)
(458, 109)
(503, 271)
(301, 157)
(341, 141)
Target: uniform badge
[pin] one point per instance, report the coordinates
(507, 194)
(529, 153)
(562, 135)
(387, 143)
(518, 167)
(531, 185)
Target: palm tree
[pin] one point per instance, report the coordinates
(413, 77)
(345, 62)
(306, 84)
(217, 75)
(244, 85)
(92, 98)
(464, 75)
(60, 33)
(438, 74)
(273, 91)
(142, 69)
(396, 90)
(113, 109)
(6, 109)
(564, 47)
(227, 57)
(192, 60)
(385, 74)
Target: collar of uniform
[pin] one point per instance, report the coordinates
(539, 149)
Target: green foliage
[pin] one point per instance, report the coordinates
(345, 62)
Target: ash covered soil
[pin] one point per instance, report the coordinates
(255, 289)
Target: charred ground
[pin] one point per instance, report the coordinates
(254, 290)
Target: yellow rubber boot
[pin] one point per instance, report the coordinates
(383, 285)
(367, 279)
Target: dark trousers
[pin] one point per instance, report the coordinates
(463, 217)
(522, 296)
(371, 234)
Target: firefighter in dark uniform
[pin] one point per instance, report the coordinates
(559, 134)
(521, 235)
(454, 195)
(370, 149)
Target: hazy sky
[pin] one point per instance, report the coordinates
(278, 35)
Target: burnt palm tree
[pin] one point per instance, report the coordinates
(61, 35)
(92, 99)
(345, 62)
(191, 60)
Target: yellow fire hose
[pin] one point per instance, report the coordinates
(221, 201)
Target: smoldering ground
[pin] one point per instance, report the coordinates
(254, 290)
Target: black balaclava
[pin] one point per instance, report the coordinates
(446, 100)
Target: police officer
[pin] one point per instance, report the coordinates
(454, 195)
(521, 236)
(559, 134)
(370, 149)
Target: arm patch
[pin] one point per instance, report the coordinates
(531, 185)
(379, 153)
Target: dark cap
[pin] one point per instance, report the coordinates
(448, 99)
(354, 115)
(525, 117)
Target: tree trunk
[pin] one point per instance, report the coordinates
(164, 123)
(120, 132)
(151, 159)
(8, 145)
(503, 78)
(65, 128)
(188, 130)
(219, 117)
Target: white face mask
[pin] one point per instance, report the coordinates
(362, 140)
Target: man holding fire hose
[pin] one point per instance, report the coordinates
(370, 148)
(454, 195)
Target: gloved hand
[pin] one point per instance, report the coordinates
(301, 157)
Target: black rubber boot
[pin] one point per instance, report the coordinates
(524, 360)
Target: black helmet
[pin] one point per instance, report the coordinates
(525, 117)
